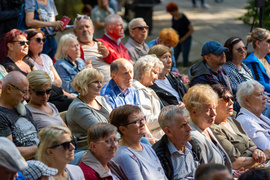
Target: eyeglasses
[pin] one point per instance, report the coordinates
(42, 92)
(241, 49)
(40, 39)
(138, 122)
(66, 145)
(109, 142)
(22, 43)
(226, 99)
(24, 92)
(141, 28)
(268, 41)
(82, 17)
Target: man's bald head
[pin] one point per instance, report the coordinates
(15, 78)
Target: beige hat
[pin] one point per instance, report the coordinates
(10, 156)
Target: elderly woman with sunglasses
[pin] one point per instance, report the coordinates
(235, 69)
(40, 88)
(231, 135)
(97, 163)
(56, 150)
(41, 61)
(17, 48)
(258, 61)
(138, 160)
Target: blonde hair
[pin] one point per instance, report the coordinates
(145, 64)
(49, 137)
(169, 37)
(159, 50)
(258, 34)
(38, 79)
(84, 77)
(198, 95)
(63, 46)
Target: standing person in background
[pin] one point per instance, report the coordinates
(98, 15)
(184, 28)
(47, 22)
(9, 13)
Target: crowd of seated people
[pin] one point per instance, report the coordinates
(105, 110)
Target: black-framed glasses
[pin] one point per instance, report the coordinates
(226, 99)
(22, 43)
(141, 28)
(40, 39)
(66, 145)
(24, 92)
(137, 122)
(241, 49)
(268, 41)
(109, 142)
(42, 92)
(82, 17)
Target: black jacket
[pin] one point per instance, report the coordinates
(166, 97)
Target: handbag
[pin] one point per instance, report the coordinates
(21, 21)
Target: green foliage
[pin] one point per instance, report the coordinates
(68, 8)
(251, 11)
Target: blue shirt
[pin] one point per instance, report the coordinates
(184, 165)
(116, 97)
(67, 72)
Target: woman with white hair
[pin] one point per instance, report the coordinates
(252, 100)
(68, 62)
(56, 150)
(146, 71)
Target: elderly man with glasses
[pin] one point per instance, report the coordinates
(16, 121)
(138, 31)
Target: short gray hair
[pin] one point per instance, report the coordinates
(132, 22)
(112, 18)
(63, 45)
(245, 89)
(82, 16)
(146, 63)
(167, 114)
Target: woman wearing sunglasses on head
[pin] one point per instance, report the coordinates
(41, 61)
(17, 48)
(56, 150)
(235, 69)
(231, 135)
(97, 163)
(138, 160)
(258, 61)
(40, 88)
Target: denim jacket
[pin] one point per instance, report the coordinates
(67, 72)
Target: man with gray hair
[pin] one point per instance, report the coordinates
(91, 50)
(173, 149)
(16, 121)
(114, 31)
(138, 31)
(11, 161)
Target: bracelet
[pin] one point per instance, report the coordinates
(149, 136)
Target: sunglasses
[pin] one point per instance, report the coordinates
(141, 28)
(82, 17)
(65, 145)
(40, 39)
(268, 41)
(137, 122)
(22, 43)
(226, 99)
(24, 92)
(42, 92)
(241, 49)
